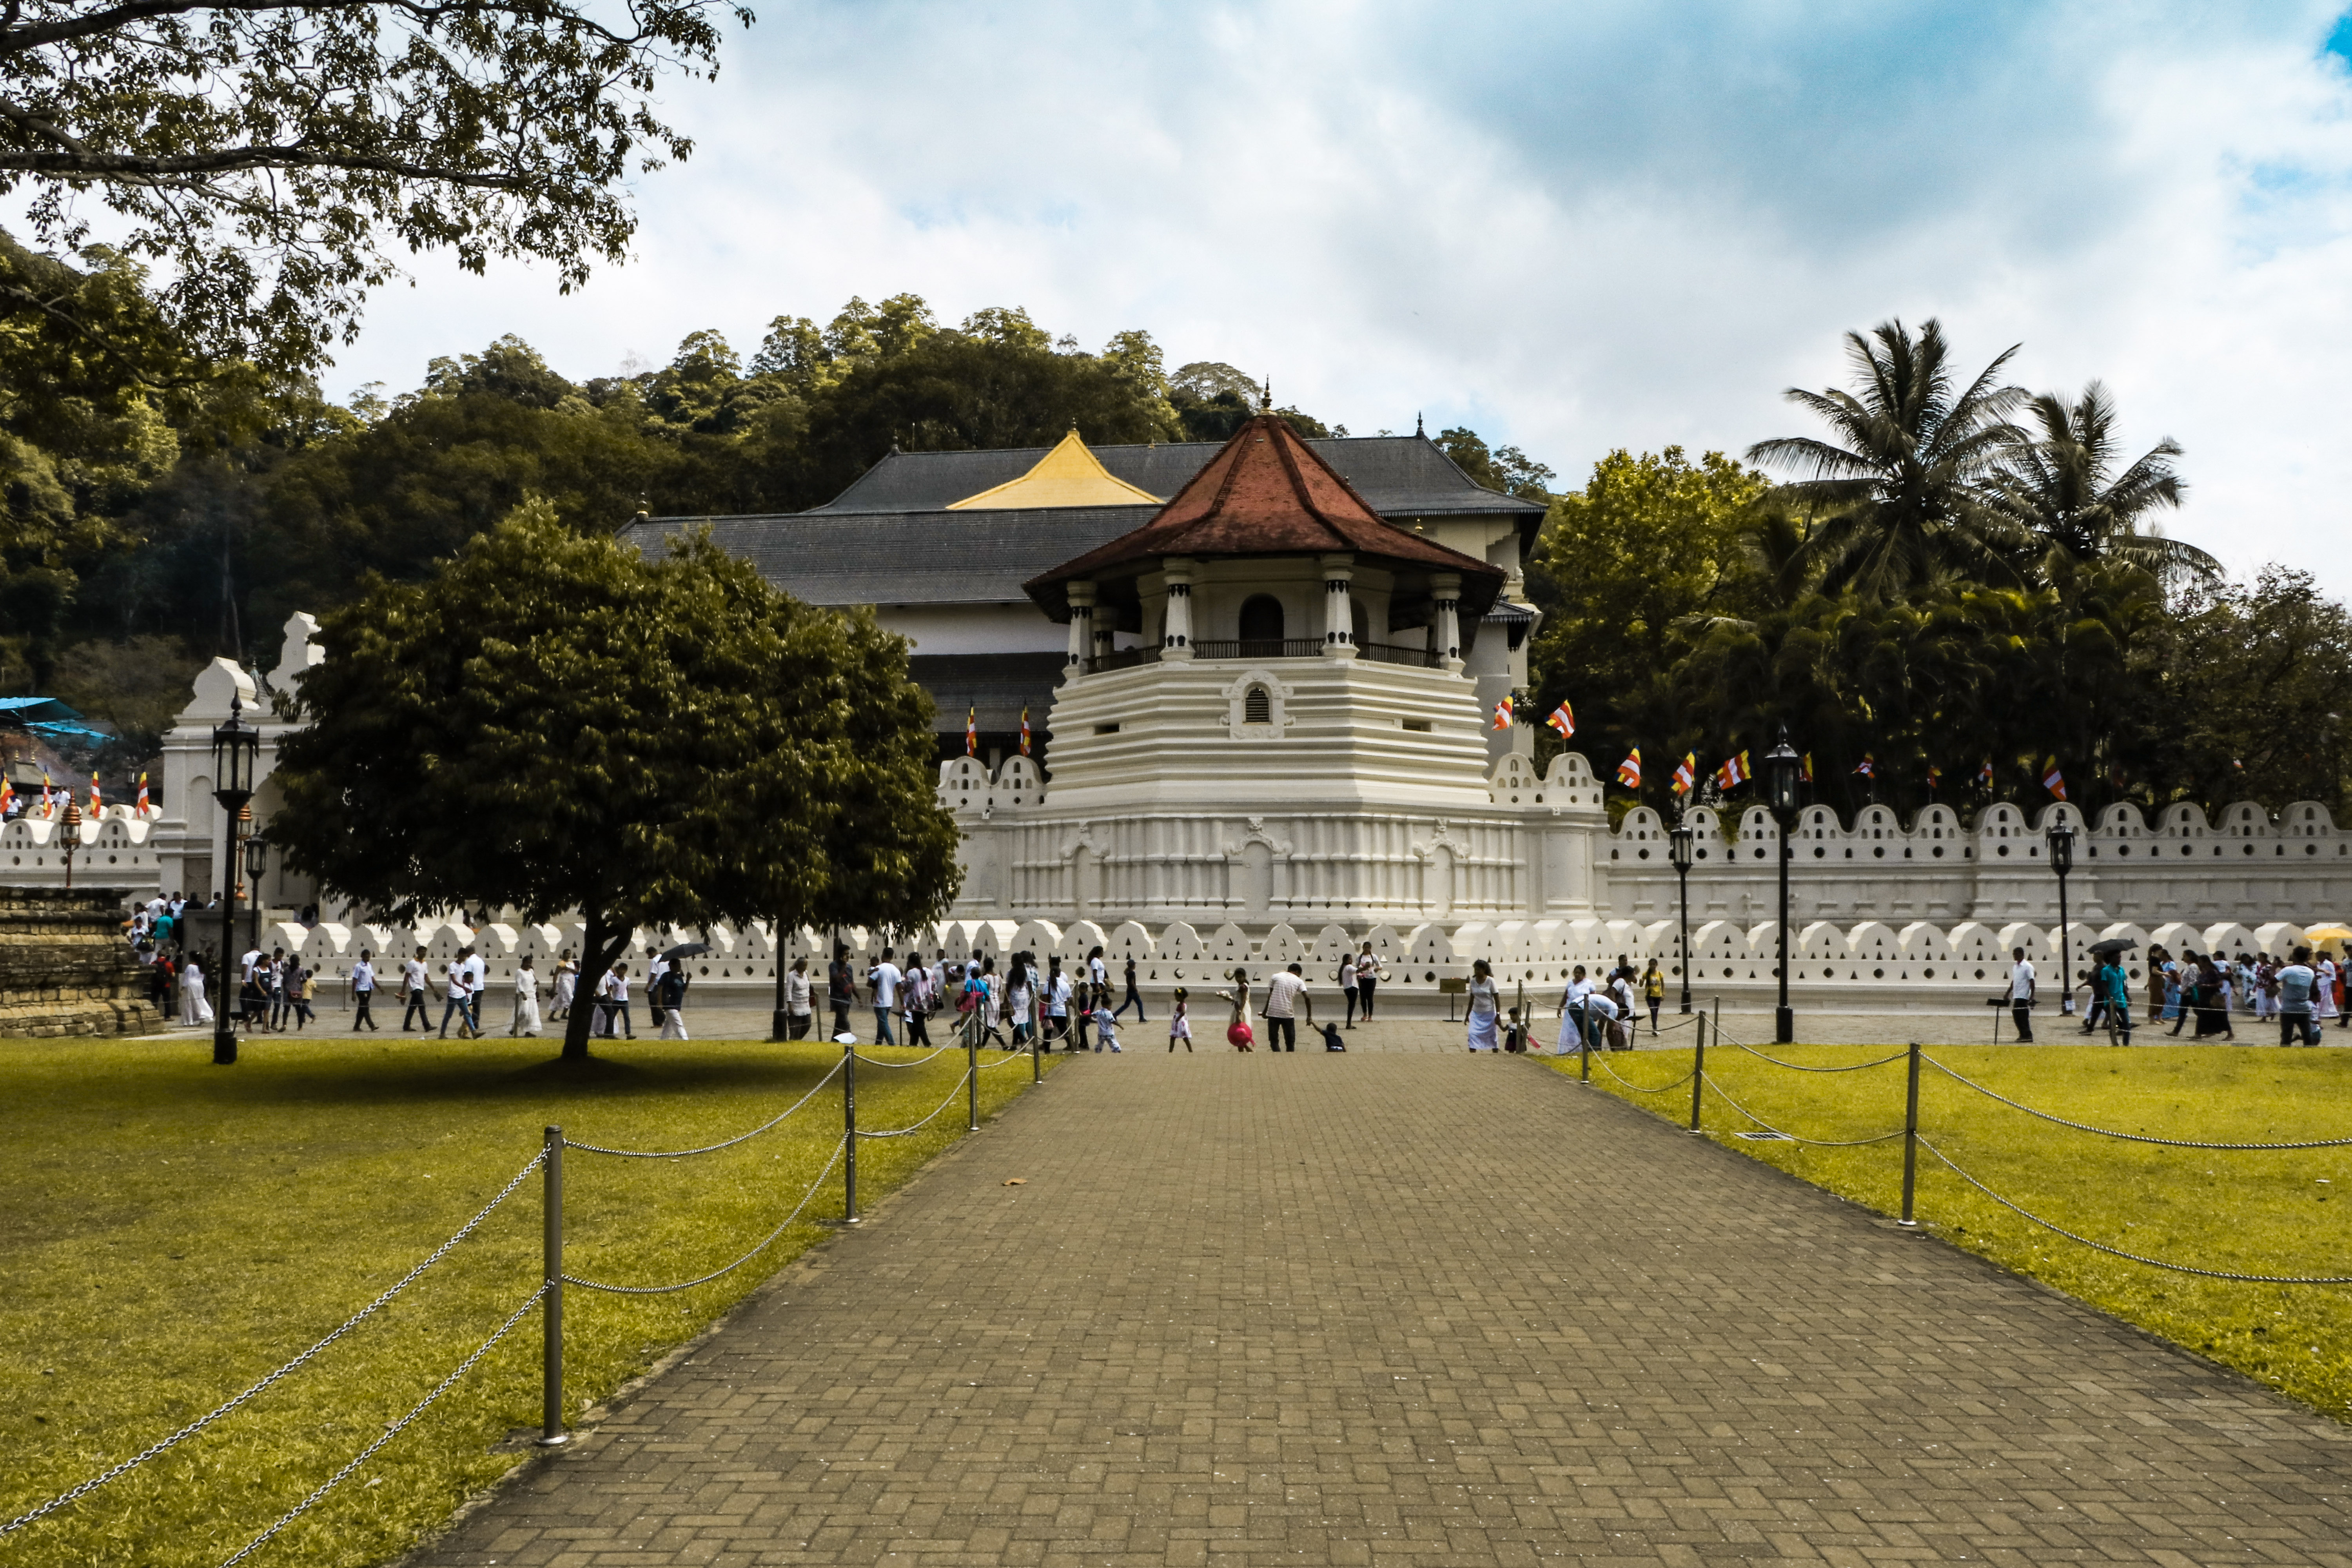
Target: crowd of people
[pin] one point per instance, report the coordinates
(2302, 992)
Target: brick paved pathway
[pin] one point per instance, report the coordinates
(1409, 1309)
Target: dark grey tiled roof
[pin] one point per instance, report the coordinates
(990, 687)
(905, 558)
(1400, 477)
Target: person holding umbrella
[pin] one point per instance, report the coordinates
(669, 989)
(2111, 988)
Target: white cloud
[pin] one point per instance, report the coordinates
(1574, 229)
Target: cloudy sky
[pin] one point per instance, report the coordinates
(1573, 228)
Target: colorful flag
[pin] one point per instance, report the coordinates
(1807, 776)
(1733, 772)
(1867, 767)
(2052, 780)
(1935, 777)
(1503, 714)
(1629, 772)
(1563, 719)
(142, 793)
(1984, 773)
(96, 804)
(1686, 773)
(8, 795)
(49, 806)
(1025, 729)
(972, 732)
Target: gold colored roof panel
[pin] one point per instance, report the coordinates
(1069, 475)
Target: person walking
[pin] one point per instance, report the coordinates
(1106, 1022)
(412, 980)
(303, 987)
(1283, 992)
(460, 983)
(1346, 978)
(2111, 985)
(196, 1009)
(363, 993)
(882, 988)
(840, 989)
(525, 1023)
(990, 989)
(477, 984)
(567, 981)
(915, 998)
(1134, 997)
(1654, 992)
(797, 1013)
(1238, 1033)
(2021, 995)
(2212, 1001)
(1571, 1003)
(1179, 1024)
(1368, 976)
(1058, 1002)
(1019, 983)
(2322, 996)
(2295, 982)
(1483, 1003)
(672, 988)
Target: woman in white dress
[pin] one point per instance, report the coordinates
(567, 979)
(194, 1008)
(526, 1005)
(1484, 1001)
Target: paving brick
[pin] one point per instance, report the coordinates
(1405, 1308)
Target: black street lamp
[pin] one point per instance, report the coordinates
(1679, 851)
(2060, 834)
(256, 862)
(1781, 766)
(236, 752)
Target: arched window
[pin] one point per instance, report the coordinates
(1261, 627)
(1256, 707)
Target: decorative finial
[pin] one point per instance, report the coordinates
(1418, 429)
(1266, 397)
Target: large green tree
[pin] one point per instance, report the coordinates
(552, 722)
(274, 158)
(2061, 487)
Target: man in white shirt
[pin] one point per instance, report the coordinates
(460, 988)
(412, 980)
(2020, 997)
(883, 980)
(477, 981)
(1282, 995)
(613, 1002)
(1571, 1005)
(2296, 982)
(363, 992)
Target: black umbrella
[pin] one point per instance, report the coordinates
(2112, 946)
(685, 949)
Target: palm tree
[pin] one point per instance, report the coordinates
(2061, 489)
(1897, 493)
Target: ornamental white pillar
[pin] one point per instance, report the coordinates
(1082, 627)
(1445, 588)
(1176, 627)
(1339, 608)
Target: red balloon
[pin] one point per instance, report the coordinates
(1239, 1035)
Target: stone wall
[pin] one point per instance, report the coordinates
(65, 968)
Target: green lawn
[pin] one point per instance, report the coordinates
(170, 1231)
(2278, 1213)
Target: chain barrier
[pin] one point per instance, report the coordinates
(917, 1127)
(2130, 1137)
(1008, 1060)
(2132, 1256)
(391, 1431)
(708, 1148)
(1723, 1039)
(1602, 1057)
(764, 1242)
(1796, 1137)
(200, 1422)
(877, 1062)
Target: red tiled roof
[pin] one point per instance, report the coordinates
(1269, 493)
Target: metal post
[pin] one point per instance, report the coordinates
(1036, 1072)
(2065, 956)
(1583, 1044)
(1699, 1071)
(1911, 1140)
(551, 1322)
(1682, 875)
(972, 1079)
(225, 1032)
(779, 1026)
(849, 1134)
(1784, 1021)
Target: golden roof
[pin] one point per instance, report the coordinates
(1069, 475)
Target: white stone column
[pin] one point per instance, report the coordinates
(1338, 612)
(1445, 589)
(1082, 626)
(1176, 629)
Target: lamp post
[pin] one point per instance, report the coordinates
(72, 835)
(2060, 834)
(1781, 766)
(257, 862)
(1678, 850)
(236, 752)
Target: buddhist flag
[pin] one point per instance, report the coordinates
(49, 806)
(1935, 777)
(8, 795)
(1984, 773)
(1563, 719)
(1503, 714)
(1867, 767)
(142, 793)
(1806, 776)
(1629, 772)
(1025, 729)
(2052, 780)
(1733, 772)
(1686, 773)
(972, 732)
(97, 804)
